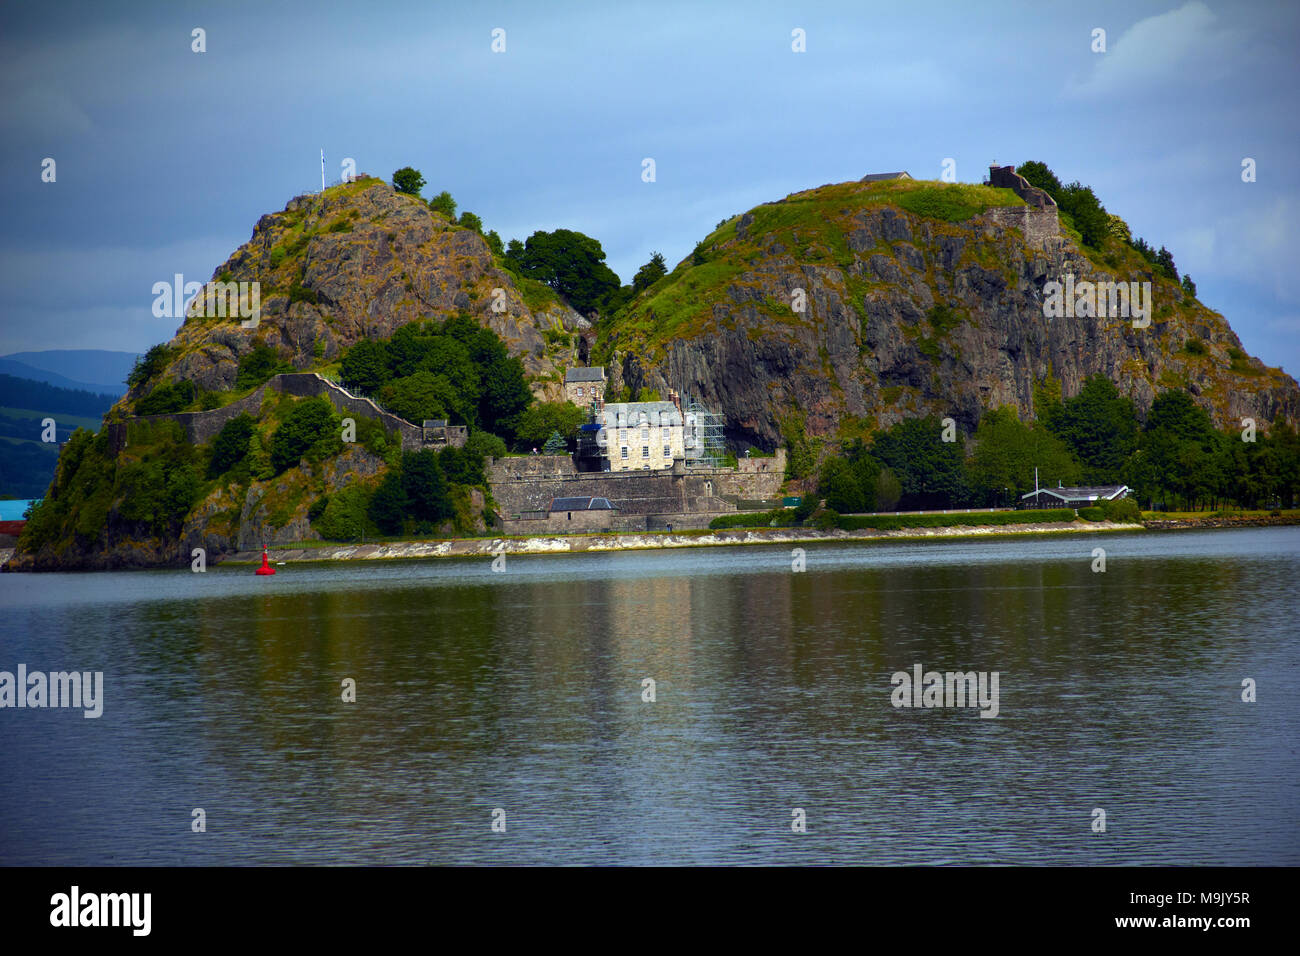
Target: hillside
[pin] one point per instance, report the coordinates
(95, 370)
(919, 300)
(358, 261)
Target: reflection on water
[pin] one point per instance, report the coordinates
(523, 691)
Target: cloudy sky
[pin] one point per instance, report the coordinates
(165, 158)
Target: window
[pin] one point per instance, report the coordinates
(580, 392)
(625, 451)
(645, 451)
(668, 452)
(645, 434)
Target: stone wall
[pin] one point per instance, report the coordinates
(202, 427)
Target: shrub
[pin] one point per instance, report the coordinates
(309, 423)
(167, 398)
(826, 520)
(343, 517)
(1092, 514)
(259, 365)
(485, 445)
(975, 519)
(148, 365)
(1124, 511)
(231, 445)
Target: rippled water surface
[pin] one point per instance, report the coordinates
(523, 691)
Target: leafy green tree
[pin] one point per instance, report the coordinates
(462, 466)
(485, 445)
(570, 263)
(148, 365)
(387, 507)
(309, 422)
(888, 490)
(471, 221)
(365, 366)
(494, 243)
(1188, 285)
(931, 471)
(1006, 453)
(425, 487)
(408, 180)
(419, 396)
(1165, 262)
(258, 365)
(344, 517)
(444, 204)
(1099, 426)
(1038, 174)
(538, 422)
(840, 487)
(167, 398)
(650, 273)
(230, 446)
(1081, 204)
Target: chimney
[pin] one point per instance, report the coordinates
(676, 399)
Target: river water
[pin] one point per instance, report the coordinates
(522, 692)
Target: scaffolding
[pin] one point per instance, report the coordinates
(706, 445)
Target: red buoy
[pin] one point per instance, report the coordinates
(265, 568)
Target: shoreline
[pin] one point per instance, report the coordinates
(650, 541)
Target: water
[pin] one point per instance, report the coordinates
(522, 691)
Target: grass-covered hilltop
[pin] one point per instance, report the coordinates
(842, 322)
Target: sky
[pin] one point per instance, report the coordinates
(165, 158)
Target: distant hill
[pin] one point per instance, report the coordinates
(26, 461)
(93, 370)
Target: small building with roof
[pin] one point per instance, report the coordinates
(580, 514)
(882, 177)
(1073, 497)
(585, 387)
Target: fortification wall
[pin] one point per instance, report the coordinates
(202, 427)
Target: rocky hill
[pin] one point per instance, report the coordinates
(360, 260)
(920, 297)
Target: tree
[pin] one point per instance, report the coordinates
(1038, 174)
(570, 263)
(840, 487)
(231, 445)
(344, 517)
(888, 490)
(148, 365)
(471, 221)
(1188, 285)
(494, 243)
(650, 273)
(387, 507)
(365, 366)
(485, 445)
(462, 466)
(539, 421)
(1165, 262)
(419, 396)
(308, 423)
(259, 365)
(1081, 204)
(425, 487)
(555, 445)
(1006, 453)
(444, 204)
(1099, 426)
(932, 472)
(408, 180)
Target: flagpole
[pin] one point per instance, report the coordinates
(322, 169)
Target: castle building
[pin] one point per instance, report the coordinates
(636, 436)
(585, 387)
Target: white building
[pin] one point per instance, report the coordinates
(637, 436)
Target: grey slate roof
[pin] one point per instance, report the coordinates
(581, 504)
(1079, 493)
(881, 177)
(595, 374)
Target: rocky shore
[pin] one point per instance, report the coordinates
(573, 544)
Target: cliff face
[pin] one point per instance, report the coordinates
(918, 298)
(358, 261)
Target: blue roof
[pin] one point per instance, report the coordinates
(13, 510)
